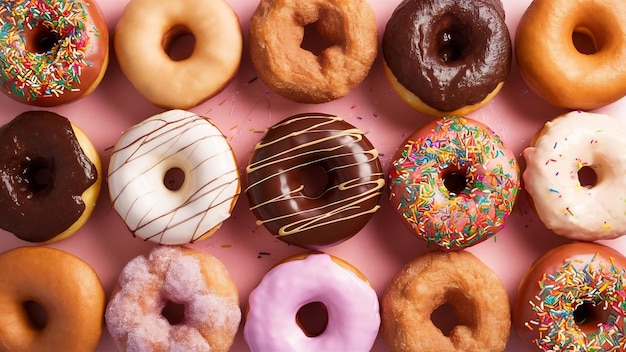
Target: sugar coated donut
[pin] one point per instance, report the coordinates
(447, 57)
(147, 30)
(51, 52)
(50, 177)
(298, 211)
(454, 182)
(170, 276)
(50, 299)
(457, 279)
(573, 299)
(569, 151)
(173, 178)
(552, 65)
(277, 31)
(351, 304)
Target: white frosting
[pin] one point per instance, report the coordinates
(567, 144)
(352, 305)
(142, 156)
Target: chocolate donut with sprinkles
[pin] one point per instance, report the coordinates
(573, 299)
(314, 180)
(454, 182)
(52, 52)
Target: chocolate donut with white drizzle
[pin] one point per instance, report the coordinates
(299, 211)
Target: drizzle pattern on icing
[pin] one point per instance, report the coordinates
(142, 156)
(435, 213)
(355, 177)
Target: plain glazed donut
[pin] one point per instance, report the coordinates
(447, 57)
(573, 299)
(173, 178)
(178, 275)
(65, 287)
(277, 29)
(148, 28)
(458, 279)
(282, 200)
(351, 304)
(555, 69)
(51, 52)
(556, 159)
(454, 182)
(51, 177)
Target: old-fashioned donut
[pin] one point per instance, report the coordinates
(454, 182)
(277, 30)
(173, 178)
(295, 210)
(146, 31)
(559, 72)
(51, 52)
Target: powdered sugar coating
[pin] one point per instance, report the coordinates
(173, 274)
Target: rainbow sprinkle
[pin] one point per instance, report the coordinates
(34, 75)
(562, 292)
(446, 218)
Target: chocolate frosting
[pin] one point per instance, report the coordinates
(449, 53)
(278, 195)
(44, 172)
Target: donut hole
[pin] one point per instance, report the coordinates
(454, 180)
(314, 180)
(38, 174)
(173, 312)
(452, 42)
(313, 40)
(174, 179)
(445, 318)
(42, 39)
(179, 43)
(587, 177)
(584, 41)
(312, 318)
(588, 315)
(36, 314)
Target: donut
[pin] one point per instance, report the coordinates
(173, 178)
(148, 29)
(474, 293)
(172, 276)
(350, 302)
(556, 69)
(566, 149)
(50, 299)
(572, 299)
(447, 57)
(278, 50)
(50, 175)
(454, 182)
(52, 52)
(310, 214)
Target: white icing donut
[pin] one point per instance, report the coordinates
(173, 140)
(564, 146)
(352, 305)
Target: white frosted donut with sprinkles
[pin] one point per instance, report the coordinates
(351, 303)
(575, 176)
(454, 182)
(173, 178)
(138, 316)
(51, 52)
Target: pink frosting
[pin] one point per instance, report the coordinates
(352, 305)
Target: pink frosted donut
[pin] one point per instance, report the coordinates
(350, 302)
(174, 277)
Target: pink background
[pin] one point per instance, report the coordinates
(244, 110)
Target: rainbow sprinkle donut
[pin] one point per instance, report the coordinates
(454, 182)
(51, 51)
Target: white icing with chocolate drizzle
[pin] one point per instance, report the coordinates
(142, 156)
(351, 195)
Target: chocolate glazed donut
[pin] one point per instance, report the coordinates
(324, 147)
(448, 53)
